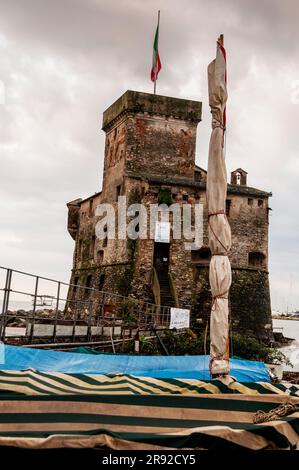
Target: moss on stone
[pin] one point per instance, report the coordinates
(250, 307)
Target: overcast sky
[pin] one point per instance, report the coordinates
(62, 62)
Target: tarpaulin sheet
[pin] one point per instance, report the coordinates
(41, 410)
(193, 367)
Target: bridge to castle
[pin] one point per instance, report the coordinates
(36, 310)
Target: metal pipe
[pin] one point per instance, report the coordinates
(56, 312)
(34, 309)
(5, 303)
(83, 343)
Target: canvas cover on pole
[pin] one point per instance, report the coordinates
(218, 228)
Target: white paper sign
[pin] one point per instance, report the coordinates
(162, 232)
(179, 318)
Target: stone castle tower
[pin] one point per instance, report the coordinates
(150, 158)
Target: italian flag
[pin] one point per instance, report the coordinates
(156, 67)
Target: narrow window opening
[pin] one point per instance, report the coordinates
(201, 256)
(105, 240)
(228, 204)
(101, 281)
(76, 280)
(100, 256)
(256, 259)
(118, 191)
(197, 176)
(90, 206)
(88, 285)
(92, 245)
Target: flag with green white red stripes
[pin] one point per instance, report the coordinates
(156, 66)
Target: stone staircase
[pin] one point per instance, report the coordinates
(166, 297)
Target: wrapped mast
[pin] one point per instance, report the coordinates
(218, 228)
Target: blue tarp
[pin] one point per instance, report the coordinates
(192, 367)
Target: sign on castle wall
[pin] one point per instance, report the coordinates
(162, 232)
(179, 318)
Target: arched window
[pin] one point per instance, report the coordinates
(76, 281)
(105, 240)
(101, 281)
(238, 177)
(88, 285)
(100, 256)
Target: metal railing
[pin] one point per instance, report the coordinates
(79, 312)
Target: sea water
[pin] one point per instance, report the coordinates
(290, 329)
(27, 305)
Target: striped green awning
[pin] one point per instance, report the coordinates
(39, 410)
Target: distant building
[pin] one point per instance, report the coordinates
(150, 158)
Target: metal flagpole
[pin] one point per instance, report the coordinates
(156, 61)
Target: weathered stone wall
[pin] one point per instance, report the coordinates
(73, 221)
(179, 259)
(135, 102)
(114, 163)
(250, 306)
(93, 258)
(160, 146)
(149, 134)
(182, 273)
(250, 303)
(249, 226)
